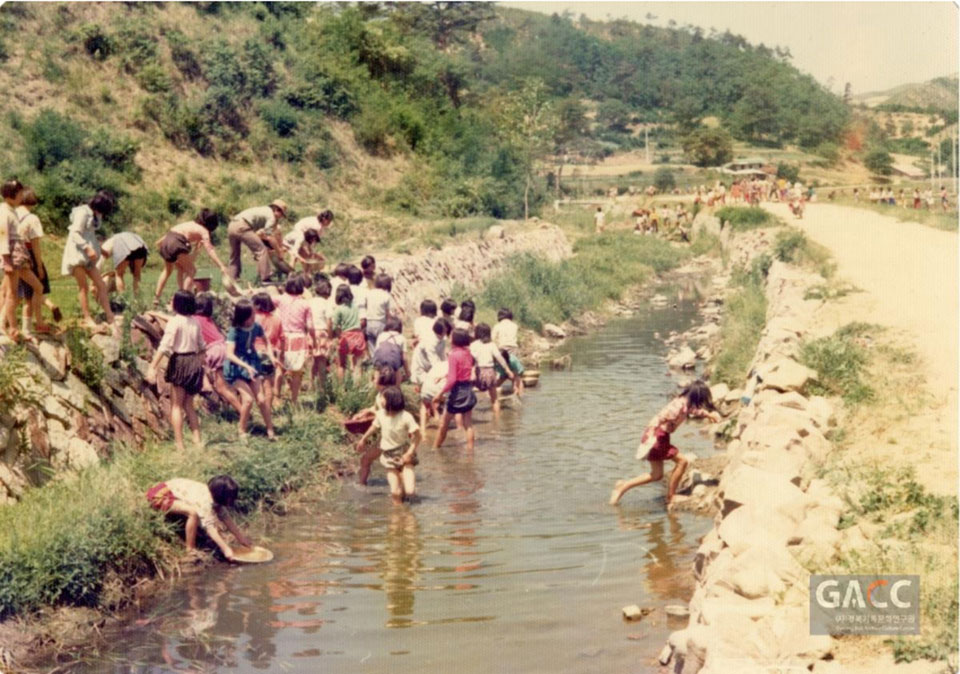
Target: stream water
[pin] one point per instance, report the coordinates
(511, 562)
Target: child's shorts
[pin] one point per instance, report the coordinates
(660, 450)
(392, 459)
(160, 497)
(296, 348)
(352, 343)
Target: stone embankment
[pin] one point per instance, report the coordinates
(750, 609)
(65, 424)
(433, 274)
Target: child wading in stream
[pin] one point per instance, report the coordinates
(655, 447)
(399, 438)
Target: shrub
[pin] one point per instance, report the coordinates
(280, 116)
(136, 47)
(789, 172)
(839, 361)
(663, 179)
(743, 218)
(86, 360)
(14, 376)
(51, 138)
(96, 42)
(184, 58)
(154, 78)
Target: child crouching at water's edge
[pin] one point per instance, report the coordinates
(399, 439)
(694, 401)
(203, 505)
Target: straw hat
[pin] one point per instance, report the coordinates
(279, 204)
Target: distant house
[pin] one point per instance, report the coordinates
(747, 168)
(903, 166)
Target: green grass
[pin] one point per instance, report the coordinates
(744, 218)
(840, 361)
(792, 245)
(603, 267)
(52, 555)
(918, 535)
(744, 317)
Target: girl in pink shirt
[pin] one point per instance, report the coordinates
(461, 399)
(299, 336)
(215, 351)
(694, 401)
(183, 342)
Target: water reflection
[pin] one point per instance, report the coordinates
(400, 569)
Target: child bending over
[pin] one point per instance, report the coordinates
(202, 504)
(655, 447)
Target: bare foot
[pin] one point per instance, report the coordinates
(616, 494)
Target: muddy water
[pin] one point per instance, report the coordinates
(511, 562)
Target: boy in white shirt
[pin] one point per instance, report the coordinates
(423, 324)
(399, 438)
(505, 332)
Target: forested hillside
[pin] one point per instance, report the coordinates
(436, 109)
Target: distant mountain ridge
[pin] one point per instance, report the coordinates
(939, 93)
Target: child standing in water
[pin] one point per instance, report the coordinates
(385, 378)
(399, 438)
(459, 387)
(487, 356)
(694, 401)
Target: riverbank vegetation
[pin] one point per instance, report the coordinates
(744, 317)
(744, 218)
(840, 361)
(87, 553)
(603, 267)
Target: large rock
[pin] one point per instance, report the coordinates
(716, 609)
(54, 359)
(108, 346)
(760, 571)
(821, 413)
(748, 526)
(786, 374)
(719, 392)
(554, 331)
(748, 485)
(684, 359)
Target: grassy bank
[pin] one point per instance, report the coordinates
(744, 316)
(85, 554)
(603, 267)
(744, 218)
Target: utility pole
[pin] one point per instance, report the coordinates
(954, 176)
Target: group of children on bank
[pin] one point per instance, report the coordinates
(277, 338)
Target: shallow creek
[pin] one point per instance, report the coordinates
(512, 561)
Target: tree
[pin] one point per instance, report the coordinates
(445, 23)
(614, 114)
(708, 147)
(572, 129)
(664, 180)
(527, 124)
(789, 172)
(879, 161)
(847, 93)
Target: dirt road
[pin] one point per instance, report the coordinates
(908, 273)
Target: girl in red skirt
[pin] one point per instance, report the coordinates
(694, 401)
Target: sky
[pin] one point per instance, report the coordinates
(873, 45)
